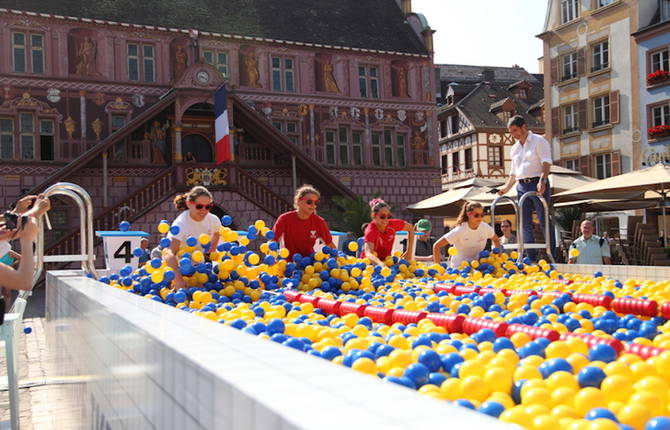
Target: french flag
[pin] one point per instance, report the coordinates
(222, 148)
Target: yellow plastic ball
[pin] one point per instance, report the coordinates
(353, 246)
(452, 251)
(163, 227)
(204, 239)
(254, 259)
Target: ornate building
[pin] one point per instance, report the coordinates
(476, 103)
(116, 99)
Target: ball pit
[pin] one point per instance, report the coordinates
(516, 341)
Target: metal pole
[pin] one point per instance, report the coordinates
(516, 219)
(104, 179)
(547, 232)
(295, 174)
(665, 221)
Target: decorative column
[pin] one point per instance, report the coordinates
(177, 144)
(82, 118)
(104, 179)
(312, 141)
(367, 139)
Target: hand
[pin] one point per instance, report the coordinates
(540, 186)
(503, 191)
(24, 203)
(179, 284)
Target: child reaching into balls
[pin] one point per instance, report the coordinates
(194, 221)
(380, 233)
(468, 237)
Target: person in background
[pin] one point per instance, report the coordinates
(424, 242)
(507, 235)
(469, 236)
(194, 220)
(592, 249)
(146, 251)
(298, 230)
(380, 233)
(531, 164)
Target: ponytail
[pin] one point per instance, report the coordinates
(465, 209)
(378, 204)
(180, 202)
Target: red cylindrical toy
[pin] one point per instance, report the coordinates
(453, 323)
(378, 314)
(526, 292)
(533, 332)
(292, 295)
(554, 294)
(644, 351)
(461, 290)
(449, 288)
(591, 340)
(351, 308)
(473, 325)
(593, 299)
(329, 306)
(407, 317)
(307, 298)
(627, 305)
(665, 310)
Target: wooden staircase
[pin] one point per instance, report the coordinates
(165, 186)
(105, 144)
(261, 129)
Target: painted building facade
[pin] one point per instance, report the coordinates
(588, 85)
(121, 102)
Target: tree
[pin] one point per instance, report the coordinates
(350, 215)
(565, 217)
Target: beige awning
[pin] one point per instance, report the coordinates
(447, 203)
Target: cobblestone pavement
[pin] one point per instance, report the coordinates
(44, 405)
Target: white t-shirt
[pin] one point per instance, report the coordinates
(468, 242)
(527, 159)
(5, 247)
(190, 227)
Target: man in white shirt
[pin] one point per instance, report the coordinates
(531, 163)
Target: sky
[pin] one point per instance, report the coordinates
(485, 32)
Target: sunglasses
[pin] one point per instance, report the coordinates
(384, 216)
(478, 215)
(200, 206)
(310, 201)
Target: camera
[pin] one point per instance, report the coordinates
(11, 220)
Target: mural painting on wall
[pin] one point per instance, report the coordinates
(206, 177)
(96, 125)
(325, 74)
(419, 143)
(180, 61)
(83, 52)
(399, 79)
(249, 68)
(158, 135)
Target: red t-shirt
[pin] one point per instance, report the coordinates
(300, 234)
(383, 241)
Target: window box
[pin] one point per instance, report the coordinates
(658, 77)
(659, 132)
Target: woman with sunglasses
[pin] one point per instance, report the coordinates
(380, 233)
(299, 229)
(193, 221)
(468, 237)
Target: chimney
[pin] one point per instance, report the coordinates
(406, 7)
(488, 75)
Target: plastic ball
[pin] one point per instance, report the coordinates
(191, 241)
(163, 227)
(591, 376)
(165, 243)
(124, 226)
(658, 423)
(352, 246)
(174, 230)
(204, 239)
(226, 220)
(452, 251)
(602, 352)
(137, 252)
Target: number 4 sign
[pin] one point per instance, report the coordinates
(119, 246)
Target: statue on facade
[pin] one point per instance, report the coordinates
(157, 135)
(419, 147)
(97, 128)
(329, 81)
(402, 82)
(86, 54)
(180, 62)
(251, 68)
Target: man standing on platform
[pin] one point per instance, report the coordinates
(531, 163)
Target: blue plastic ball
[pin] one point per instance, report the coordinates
(658, 423)
(596, 413)
(174, 230)
(418, 373)
(590, 376)
(430, 359)
(492, 409)
(226, 220)
(191, 241)
(124, 226)
(137, 252)
(602, 352)
(165, 242)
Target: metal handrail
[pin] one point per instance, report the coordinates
(85, 204)
(547, 225)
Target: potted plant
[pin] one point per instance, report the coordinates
(659, 131)
(657, 77)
